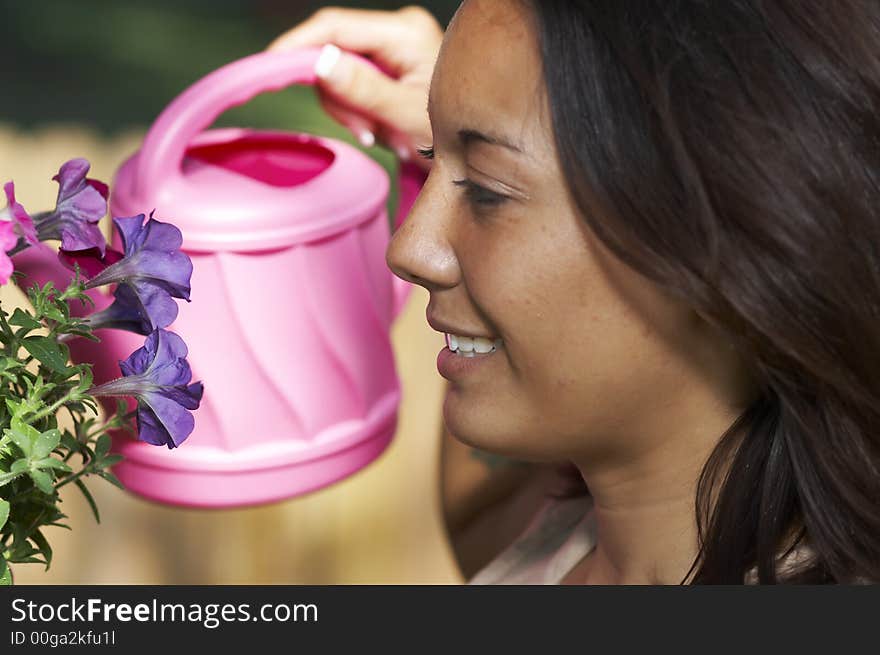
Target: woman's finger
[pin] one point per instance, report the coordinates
(358, 85)
(362, 128)
(386, 36)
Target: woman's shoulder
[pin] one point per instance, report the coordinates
(559, 534)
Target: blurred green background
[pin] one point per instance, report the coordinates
(115, 64)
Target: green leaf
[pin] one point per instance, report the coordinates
(47, 351)
(46, 443)
(22, 318)
(6, 478)
(15, 408)
(4, 512)
(65, 352)
(28, 560)
(45, 549)
(5, 573)
(51, 463)
(20, 466)
(23, 435)
(85, 377)
(6, 375)
(84, 335)
(110, 460)
(102, 446)
(112, 479)
(89, 498)
(65, 309)
(54, 312)
(43, 481)
(69, 442)
(9, 363)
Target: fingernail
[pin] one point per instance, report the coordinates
(327, 60)
(367, 139)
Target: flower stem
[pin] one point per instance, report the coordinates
(70, 478)
(114, 422)
(51, 409)
(21, 245)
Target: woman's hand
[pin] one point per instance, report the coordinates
(369, 103)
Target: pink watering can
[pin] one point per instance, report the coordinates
(292, 300)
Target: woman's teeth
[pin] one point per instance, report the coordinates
(472, 346)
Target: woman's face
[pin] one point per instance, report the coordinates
(594, 361)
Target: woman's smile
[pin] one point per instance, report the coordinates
(454, 363)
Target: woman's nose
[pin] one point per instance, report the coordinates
(420, 250)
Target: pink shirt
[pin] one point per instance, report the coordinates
(556, 539)
(560, 534)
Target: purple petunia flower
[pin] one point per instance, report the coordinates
(82, 202)
(15, 214)
(150, 273)
(90, 261)
(158, 376)
(125, 313)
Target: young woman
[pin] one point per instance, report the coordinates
(662, 220)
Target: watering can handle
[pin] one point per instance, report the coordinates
(229, 86)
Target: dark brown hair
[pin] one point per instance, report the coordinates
(730, 152)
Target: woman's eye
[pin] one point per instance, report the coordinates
(475, 194)
(478, 195)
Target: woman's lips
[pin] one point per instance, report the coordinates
(452, 365)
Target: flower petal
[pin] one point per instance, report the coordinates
(153, 235)
(189, 396)
(130, 230)
(159, 307)
(70, 176)
(150, 428)
(80, 235)
(176, 421)
(171, 271)
(99, 186)
(169, 366)
(20, 218)
(8, 239)
(81, 203)
(141, 359)
(90, 260)
(125, 313)
(157, 374)
(7, 242)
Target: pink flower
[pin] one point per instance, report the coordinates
(15, 215)
(8, 239)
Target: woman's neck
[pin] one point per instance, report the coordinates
(645, 509)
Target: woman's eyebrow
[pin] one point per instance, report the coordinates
(468, 135)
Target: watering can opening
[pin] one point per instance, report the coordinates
(274, 159)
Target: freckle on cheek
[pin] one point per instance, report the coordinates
(564, 383)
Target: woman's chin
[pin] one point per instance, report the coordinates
(470, 423)
(484, 430)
